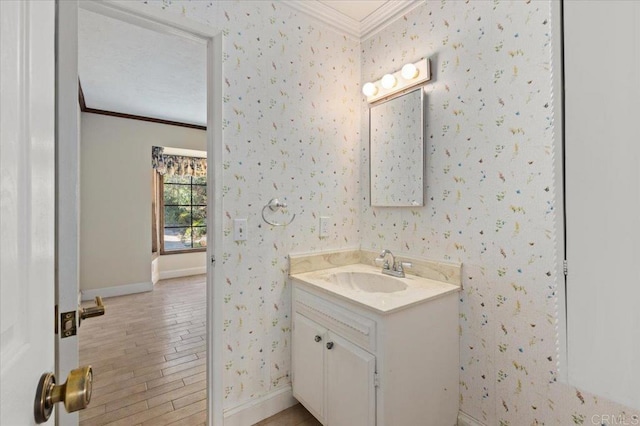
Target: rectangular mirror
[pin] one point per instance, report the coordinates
(396, 147)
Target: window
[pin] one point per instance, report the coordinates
(183, 214)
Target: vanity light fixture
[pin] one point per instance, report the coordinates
(411, 74)
(388, 81)
(369, 89)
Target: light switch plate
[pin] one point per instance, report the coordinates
(239, 229)
(324, 226)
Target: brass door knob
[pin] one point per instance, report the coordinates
(75, 393)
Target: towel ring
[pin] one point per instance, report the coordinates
(274, 205)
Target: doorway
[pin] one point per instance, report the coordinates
(149, 356)
(68, 143)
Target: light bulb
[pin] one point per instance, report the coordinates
(388, 81)
(409, 72)
(369, 89)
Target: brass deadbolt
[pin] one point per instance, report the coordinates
(75, 393)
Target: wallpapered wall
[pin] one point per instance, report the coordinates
(291, 130)
(490, 198)
(294, 116)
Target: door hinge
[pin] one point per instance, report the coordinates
(213, 260)
(565, 268)
(376, 379)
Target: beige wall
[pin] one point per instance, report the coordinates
(115, 229)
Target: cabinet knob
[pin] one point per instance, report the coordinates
(317, 338)
(329, 345)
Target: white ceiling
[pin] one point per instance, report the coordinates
(128, 69)
(357, 10)
(132, 70)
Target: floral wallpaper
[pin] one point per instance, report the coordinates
(291, 130)
(296, 127)
(490, 200)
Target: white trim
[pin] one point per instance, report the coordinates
(118, 290)
(350, 27)
(385, 16)
(558, 178)
(146, 17)
(177, 273)
(67, 183)
(215, 293)
(466, 420)
(261, 408)
(327, 15)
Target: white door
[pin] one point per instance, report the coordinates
(307, 355)
(351, 392)
(602, 106)
(27, 192)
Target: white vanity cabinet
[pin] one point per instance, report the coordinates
(308, 354)
(352, 366)
(333, 377)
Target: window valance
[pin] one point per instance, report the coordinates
(177, 165)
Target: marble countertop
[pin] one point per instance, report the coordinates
(419, 289)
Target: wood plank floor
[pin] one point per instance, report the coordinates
(294, 416)
(148, 354)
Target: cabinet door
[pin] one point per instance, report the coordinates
(308, 364)
(351, 394)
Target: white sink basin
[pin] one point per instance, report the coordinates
(366, 282)
(366, 286)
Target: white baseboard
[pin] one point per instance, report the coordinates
(177, 273)
(261, 408)
(119, 290)
(466, 420)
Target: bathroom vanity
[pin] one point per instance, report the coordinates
(370, 349)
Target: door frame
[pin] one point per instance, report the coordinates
(168, 23)
(557, 87)
(67, 190)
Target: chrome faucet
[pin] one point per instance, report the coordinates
(395, 269)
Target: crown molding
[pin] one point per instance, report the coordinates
(385, 15)
(350, 27)
(327, 15)
(84, 108)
